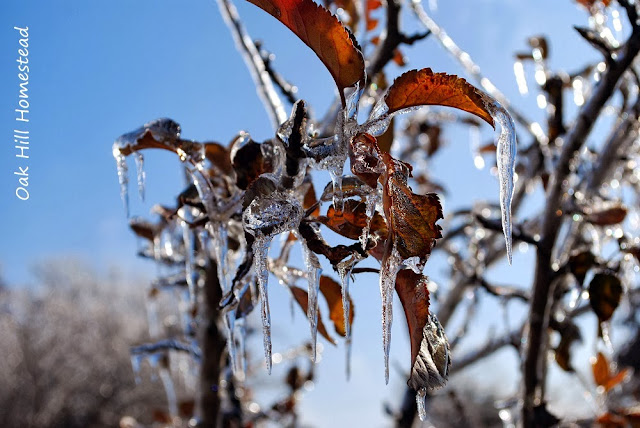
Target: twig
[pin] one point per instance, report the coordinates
(551, 222)
(165, 345)
(252, 58)
(474, 70)
(287, 89)
(504, 291)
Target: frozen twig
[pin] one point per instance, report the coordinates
(255, 63)
(473, 69)
(165, 345)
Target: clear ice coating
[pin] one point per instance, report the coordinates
(314, 270)
(506, 158)
(189, 260)
(344, 272)
(390, 267)
(140, 174)
(371, 202)
(421, 401)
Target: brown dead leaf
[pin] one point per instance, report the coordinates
(605, 291)
(607, 215)
(332, 292)
(302, 297)
(602, 374)
(424, 87)
(352, 220)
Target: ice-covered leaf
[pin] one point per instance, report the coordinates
(143, 228)
(605, 291)
(332, 292)
(424, 87)
(430, 359)
(352, 220)
(351, 187)
(365, 161)
(248, 160)
(411, 218)
(385, 141)
(569, 334)
(324, 34)
(218, 155)
(302, 298)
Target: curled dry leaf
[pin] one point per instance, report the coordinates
(302, 297)
(143, 228)
(430, 361)
(332, 292)
(324, 34)
(249, 161)
(218, 155)
(424, 87)
(605, 291)
(411, 218)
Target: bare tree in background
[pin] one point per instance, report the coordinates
(582, 219)
(65, 351)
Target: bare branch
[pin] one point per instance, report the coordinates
(255, 63)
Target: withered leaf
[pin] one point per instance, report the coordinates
(399, 58)
(605, 291)
(580, 263)
(610, 420)
(352, 220)
(424, 87)
(607, 215)
(249, 162)
(430, 361)
(310, 199)
(385, 140)
(411, 218)
(351, 186)
(365, 163)
(302, 297)
(332, 292)
(324, 34)
(218, 155)
(591, 3)
(143, 228)
(602, 374)
(371, 5)
(569, 333)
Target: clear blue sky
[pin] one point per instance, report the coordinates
(99, 69)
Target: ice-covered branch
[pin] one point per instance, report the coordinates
(255, 63)
(473, 69)
(551, 222)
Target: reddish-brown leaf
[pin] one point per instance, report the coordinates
(218, 156)
(399, 58)
(352, 220)
(324, 34)
(411, 218)
(385, 140)
(302, 297)
(332, 292)
(424, 87)
(610, 420)
(616, 379)
(602, 374)
(365, 163)
(143, 228)
(580, 263)
(310, 200)
(607, 215)
(414, 296)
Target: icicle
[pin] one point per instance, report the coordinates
(314, 270)
(189, 262)
(152, 316)
(390, 267)
(506, 156)
(139, 158)
(344, 272)
(241, 338)
(421, 401)
(371, 202)
(167, 382)
(123, 178)
(260, 252)
(338, 197)
(229, 323)
(220, 247)
(136, 361)
(521, 80)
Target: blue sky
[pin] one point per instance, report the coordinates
(99, 69)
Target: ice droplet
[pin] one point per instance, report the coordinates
(260, 251)
(338, 197)
(421, 401)
(139, 158)
(314, 270)
(506, 158)
(123, 177)
(390, 267)
(371, 202)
